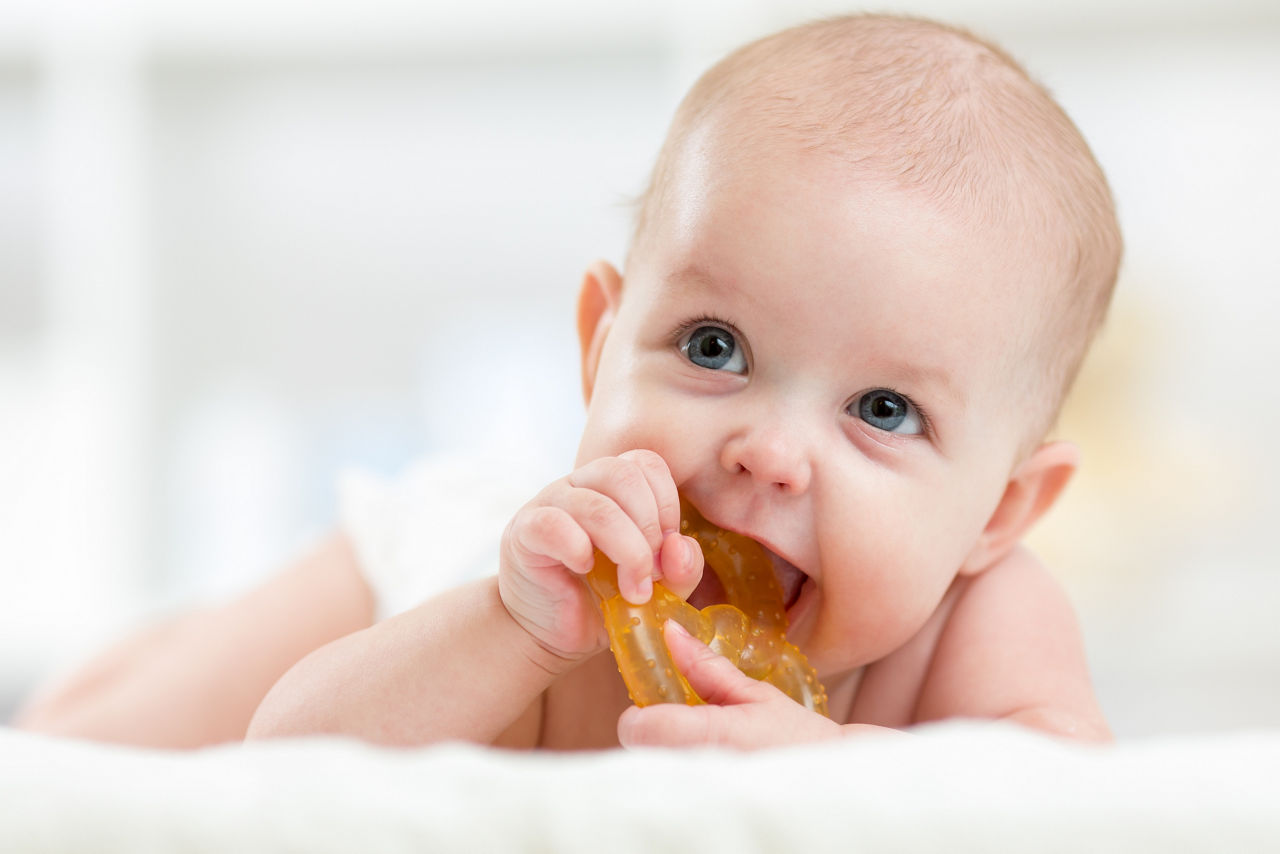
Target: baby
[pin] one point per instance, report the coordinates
(869, 262)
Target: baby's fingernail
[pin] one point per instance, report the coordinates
(690, 556)
(645, 589)
(673, 626)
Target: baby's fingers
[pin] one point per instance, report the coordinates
(681, 563)
(615, 533)
(663, 485)
(641, 484)
(550, 536)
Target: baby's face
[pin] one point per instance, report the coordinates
(824, 363)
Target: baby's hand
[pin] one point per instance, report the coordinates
(625, 506)
(740, 712)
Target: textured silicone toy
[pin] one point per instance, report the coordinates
(750, 631)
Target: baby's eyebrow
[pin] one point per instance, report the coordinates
(926, 376)
(693, 274)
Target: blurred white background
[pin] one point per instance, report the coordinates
(246, 245)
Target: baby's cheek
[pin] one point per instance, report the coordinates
(885, 591)
(887, 608)
(613, 432)
(945, 518)
(603, 436)
(617, 420)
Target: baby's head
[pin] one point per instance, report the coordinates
(939, 113)
(869, 262)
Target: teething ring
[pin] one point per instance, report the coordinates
(750, 631)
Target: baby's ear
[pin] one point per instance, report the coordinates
(1032, 488)
(597, 305)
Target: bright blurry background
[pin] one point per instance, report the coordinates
(244, 245)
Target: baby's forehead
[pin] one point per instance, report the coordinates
(1038, 227)
(862, 262)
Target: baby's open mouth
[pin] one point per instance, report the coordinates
(790, 577)
(711, 592)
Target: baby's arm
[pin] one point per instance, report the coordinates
(456, 666)
(472, 663)
(196, 679)
(1011, 649)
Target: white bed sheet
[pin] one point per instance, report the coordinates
(954, 787)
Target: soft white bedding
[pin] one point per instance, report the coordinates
(954, 787)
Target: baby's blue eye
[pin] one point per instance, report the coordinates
(888, 411)
(713, 347)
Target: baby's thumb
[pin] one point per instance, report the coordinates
(714, 678)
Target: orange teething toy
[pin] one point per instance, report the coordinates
(749, 631)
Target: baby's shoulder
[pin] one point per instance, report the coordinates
(1018, 590)
(1004, 606)
(1015, 604)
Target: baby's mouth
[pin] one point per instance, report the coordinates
(710, 591)
(790, 577)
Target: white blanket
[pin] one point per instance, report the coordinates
(954, 787)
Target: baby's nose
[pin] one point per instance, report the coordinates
(771, 454)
